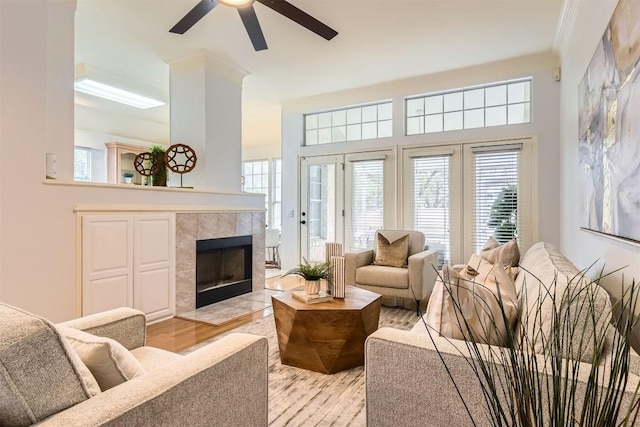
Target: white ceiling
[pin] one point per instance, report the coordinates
(378, 41)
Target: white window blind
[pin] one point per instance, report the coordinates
(431, 210)
(276, 195)
(81, 164)
(496, 187)
(367, 202)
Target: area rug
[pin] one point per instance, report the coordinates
(298, 397)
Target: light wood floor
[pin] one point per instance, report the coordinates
(179, 334)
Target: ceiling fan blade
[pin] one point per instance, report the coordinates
(194, 15)
(251, 24)
(309, 22)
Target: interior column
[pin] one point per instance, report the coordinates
(206, 114)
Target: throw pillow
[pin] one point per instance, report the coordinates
(507, 254)
(109, 361)
(466, 305)
(392, 253)
(40, 375)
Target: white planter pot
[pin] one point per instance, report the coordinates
(312, 287)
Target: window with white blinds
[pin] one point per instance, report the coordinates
(275, 219)
(495, 187)
(431, 204)
(81, 164)
(265, 176)
(367, 202)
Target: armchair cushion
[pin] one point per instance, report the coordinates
(110, 363)
(380, 275)
(40, 374)
(392, 251)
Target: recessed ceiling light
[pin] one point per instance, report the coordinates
(92, 87)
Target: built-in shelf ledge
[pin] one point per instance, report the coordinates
(143, 187)
(161, 208)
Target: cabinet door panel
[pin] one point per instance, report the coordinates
(153, 271)
(105, 294)
(152, 292)
(153, 238)
(107, 273)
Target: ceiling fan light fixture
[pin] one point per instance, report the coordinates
(236, 3)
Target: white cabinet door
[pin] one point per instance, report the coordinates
(107, 263)
(153, 265)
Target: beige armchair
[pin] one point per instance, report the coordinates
(44, 378)
(399, 286)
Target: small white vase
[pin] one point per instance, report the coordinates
(312, 287)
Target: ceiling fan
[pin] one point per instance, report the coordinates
(250, 20)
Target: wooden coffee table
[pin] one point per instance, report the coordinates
(325, 337)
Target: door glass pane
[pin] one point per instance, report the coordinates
(496, 197)
(321, 212)
(431, 204)
(367, 202)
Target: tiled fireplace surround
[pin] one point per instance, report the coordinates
(212, 225)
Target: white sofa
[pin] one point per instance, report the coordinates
(407, 382)
(43, 381)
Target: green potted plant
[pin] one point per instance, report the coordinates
(160, 177)
(128, 177)
(312, 274)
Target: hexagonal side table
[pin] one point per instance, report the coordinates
(325, 337)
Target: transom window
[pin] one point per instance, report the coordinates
(349, 124)
(498, 104)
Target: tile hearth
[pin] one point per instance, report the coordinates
(228, 310)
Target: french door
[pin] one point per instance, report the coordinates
(321, 204)
(370, 197)
(459, 195)
(345, 199)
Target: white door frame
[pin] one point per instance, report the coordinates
(338, 208)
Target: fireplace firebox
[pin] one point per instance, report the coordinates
(223, 269)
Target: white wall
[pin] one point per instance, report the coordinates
(37, 220)
(545, 126)
(585, 248)
(261, 152)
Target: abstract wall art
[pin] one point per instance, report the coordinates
(609, 129)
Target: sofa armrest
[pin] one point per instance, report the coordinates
(125, 325)
(406, 382)
(423, 272)
(223, 383)
(354, 260)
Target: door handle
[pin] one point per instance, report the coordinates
(303, 222)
